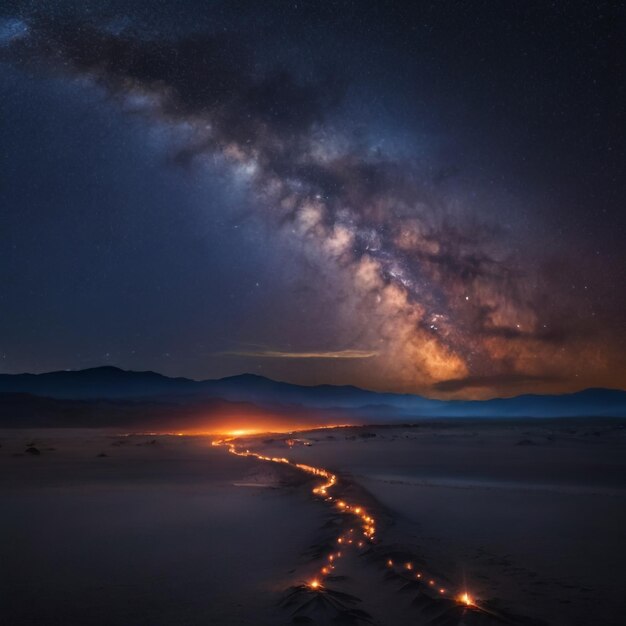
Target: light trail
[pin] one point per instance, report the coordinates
(364, 520)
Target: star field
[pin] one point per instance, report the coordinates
(401, 196)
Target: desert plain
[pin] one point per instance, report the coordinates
(526, 517)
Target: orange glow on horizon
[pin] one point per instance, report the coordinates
(263, 426)
(241, 432)
(247, 426)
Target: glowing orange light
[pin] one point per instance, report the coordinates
(367, 522)
(240, 433)
(466, 599)
(442, 591)
(409, 565)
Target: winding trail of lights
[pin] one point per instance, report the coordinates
(349, 539)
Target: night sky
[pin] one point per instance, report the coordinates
(425, 197)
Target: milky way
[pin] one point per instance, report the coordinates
(430, 296)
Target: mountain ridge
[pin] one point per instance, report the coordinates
(109, 383)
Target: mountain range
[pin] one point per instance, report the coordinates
(114, 393)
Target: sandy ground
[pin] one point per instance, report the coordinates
(529, 517)
(150, 534)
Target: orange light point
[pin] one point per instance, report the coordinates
(466, 599)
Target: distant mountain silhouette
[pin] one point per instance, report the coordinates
(113, 384)
(97, 382)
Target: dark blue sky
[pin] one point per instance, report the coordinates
(399, 196)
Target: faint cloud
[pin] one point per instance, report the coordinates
(324, 354)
